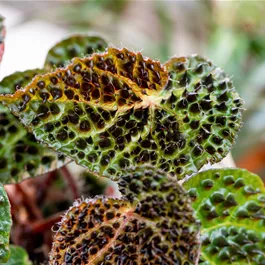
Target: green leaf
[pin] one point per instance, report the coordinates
(208, 106)
(152, 223)
(20, 154)
(18, 80)
(2, 37)
(91, 185)
(18, 256)
(230, 203)
(5, 225)
(117, 109)
(74, 46)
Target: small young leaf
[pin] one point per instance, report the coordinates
(230, 203)
(20, 154)
(2, 37)
(152, 223)
(18, 256)
(74, 46)
(5, 225)
(117, 109)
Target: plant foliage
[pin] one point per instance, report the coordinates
(117, 109)
(5, 225)
(152, 223)
(73, 46)
(18, 256)
(145, 125)
(20, 154)
(230, 203)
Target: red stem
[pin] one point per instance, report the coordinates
(71, 182)
(27, 200)
(45, 224)
(44, 186)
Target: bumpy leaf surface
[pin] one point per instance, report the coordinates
(18, 256)
(74, 46)
(20, 154)
(5, 225)
(152, 223)
(2, 36)
(230, 203)
(208, 108)
(117, 109)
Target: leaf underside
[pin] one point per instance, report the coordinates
(20, 154)
(152, 223)
(230, 204)
(2, 37)
(117, 109)
(18, 256)
(5, 225)
(74, 46)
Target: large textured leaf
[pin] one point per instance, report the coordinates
(5, 225)
(117, 109)
(152, 223)
(20, 154)
(230, 203)
(2, 36)
(74, 46)
(18, 256)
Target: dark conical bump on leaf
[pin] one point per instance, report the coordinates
(152, 223)
(5, 225)
(74, 46)
(117, 109)
(230, 203)
(2, 37)
(20, 154)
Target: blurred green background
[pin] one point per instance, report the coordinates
(230, 33)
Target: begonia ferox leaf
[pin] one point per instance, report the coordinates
(21, 156)
(118, 108)
(152, 223)
(230, 204)
(74, 46)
